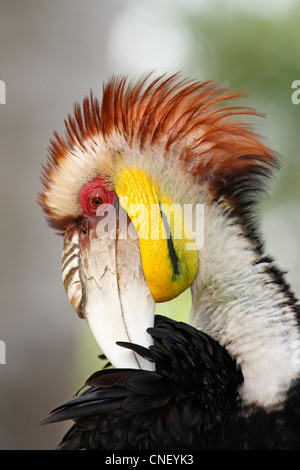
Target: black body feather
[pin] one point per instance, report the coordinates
(190, 402)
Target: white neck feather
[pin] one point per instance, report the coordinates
(236, 301)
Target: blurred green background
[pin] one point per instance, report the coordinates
(51, 55)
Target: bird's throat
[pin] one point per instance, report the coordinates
(236, 300)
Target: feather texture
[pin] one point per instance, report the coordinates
(184, 122)
(191, 402)
(183, 401)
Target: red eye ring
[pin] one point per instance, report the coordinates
(95, 197)
(95, 201)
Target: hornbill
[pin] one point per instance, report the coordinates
(154, 190)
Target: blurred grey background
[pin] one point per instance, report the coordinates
(51, 54)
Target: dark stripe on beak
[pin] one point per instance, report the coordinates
(171, 249)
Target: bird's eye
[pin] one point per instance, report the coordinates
(95, 195)
(96, 200)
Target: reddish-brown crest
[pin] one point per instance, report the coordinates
(184, 117)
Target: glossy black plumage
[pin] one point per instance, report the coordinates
(190, 402)
(181, 405)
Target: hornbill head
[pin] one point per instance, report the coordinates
(116, 187)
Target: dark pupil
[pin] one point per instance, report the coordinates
(96, 201)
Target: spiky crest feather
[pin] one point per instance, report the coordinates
(179, 117)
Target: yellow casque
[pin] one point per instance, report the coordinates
(168, 252)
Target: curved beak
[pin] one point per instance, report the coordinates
(104, 280)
